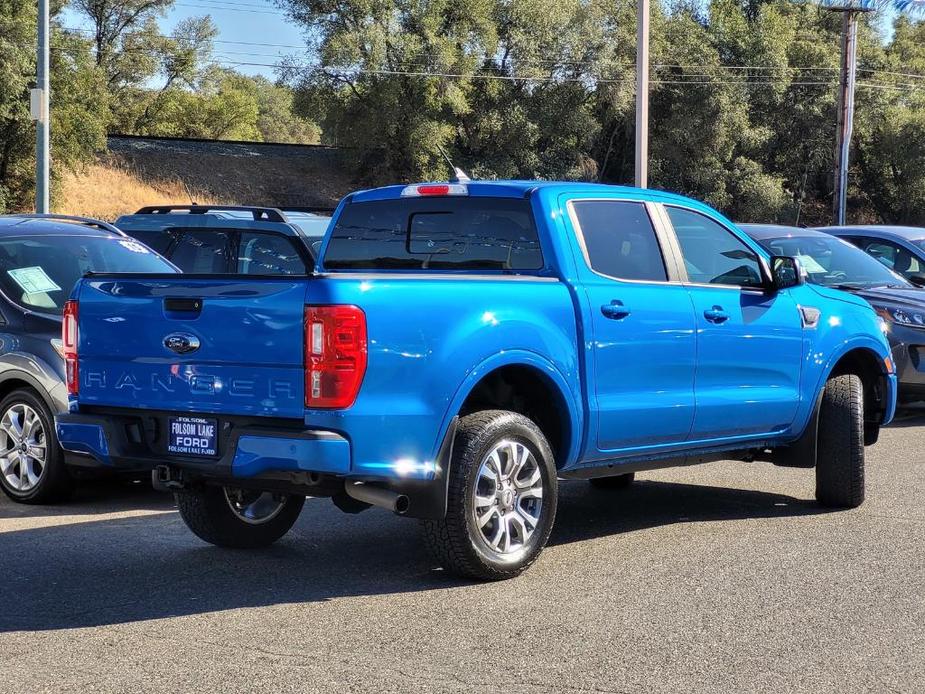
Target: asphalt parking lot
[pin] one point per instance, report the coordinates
(724, 577)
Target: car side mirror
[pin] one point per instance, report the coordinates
(785, 272)
(917, 280)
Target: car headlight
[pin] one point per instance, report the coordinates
(902, 316)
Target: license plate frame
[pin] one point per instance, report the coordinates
(192, 436)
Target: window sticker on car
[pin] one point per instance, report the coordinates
(33, 280)
(133, 246)
(810, 264)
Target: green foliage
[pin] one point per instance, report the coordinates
(169, 85)
(890, 149)
(79, 104)
(742, 98)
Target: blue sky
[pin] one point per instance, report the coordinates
(246, 21)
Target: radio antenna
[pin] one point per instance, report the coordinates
(459, 176)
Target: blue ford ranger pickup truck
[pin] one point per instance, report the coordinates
(461, 347)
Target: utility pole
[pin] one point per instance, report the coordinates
(39, 108)
(642, 94)
(846, 89)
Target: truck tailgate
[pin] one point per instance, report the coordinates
(230, 345)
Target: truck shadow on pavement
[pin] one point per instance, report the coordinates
(127, 569)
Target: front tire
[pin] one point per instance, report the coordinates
(238, 518)
(32, 469)
(502, 498)
(840, 453)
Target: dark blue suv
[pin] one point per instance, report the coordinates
(41, 258)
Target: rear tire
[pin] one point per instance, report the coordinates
(615, 482)
(221, 516)
(840, 455)
(502, 498)
(32, 471)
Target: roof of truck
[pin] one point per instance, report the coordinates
(519, 189)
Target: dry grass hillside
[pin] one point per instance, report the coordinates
(106, 191)
(250, 173)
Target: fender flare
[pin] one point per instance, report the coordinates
(856, 342)
(853, 343)
(519, 357)
(16, 374)
(429, 500)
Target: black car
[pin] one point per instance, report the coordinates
(41, 258)
(832, 262)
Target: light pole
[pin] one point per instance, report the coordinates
(642, 94)
(852, 9)
(846, 88)
(39, 108)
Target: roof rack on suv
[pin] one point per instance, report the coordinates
(267, 214)
(87, 221)
(327, 211)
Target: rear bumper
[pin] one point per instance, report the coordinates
(279, 455)
(245, 450)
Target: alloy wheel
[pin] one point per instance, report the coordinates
(254, 506)
(508, 497)
(23, 447)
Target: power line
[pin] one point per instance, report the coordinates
(703, 77)
(584, 79)
(228, 9)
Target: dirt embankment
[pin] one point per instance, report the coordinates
(146, 171)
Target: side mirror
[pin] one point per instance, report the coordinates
(917, 280)
(785, 272)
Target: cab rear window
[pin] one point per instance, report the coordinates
(440, 233)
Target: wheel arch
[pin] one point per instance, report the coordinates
(866, 364)
(526, 383)
(17, 380)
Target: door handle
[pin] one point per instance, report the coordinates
(615, 310)
(716, 315)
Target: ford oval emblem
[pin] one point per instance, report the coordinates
(181, 343)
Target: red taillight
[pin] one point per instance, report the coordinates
(433, 190)
(69, 346)
(423, 189)
(335, 355)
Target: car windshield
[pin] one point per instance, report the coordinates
(38, 272)
(831, 262)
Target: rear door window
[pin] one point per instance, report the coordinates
(893, 256)
(260, 253)
(202, 252)
(440, 233)
(38, 272)
(155, 240)
(619, 240)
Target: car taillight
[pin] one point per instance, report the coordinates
(335, 355)
(69, 346)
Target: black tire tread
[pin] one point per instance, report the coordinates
(207, 515)
(447, 539)
(840, 456)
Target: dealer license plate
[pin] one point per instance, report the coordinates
(192, 436)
